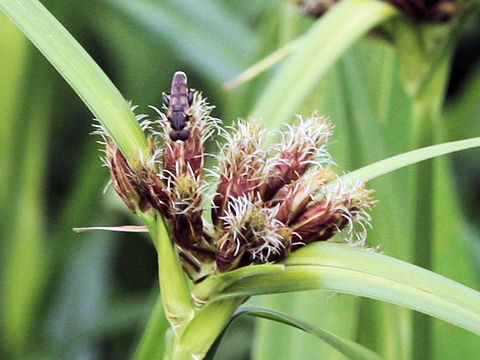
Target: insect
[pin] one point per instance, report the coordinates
(178, 102)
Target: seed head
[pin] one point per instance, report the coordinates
(123, 179)
(302, 146)
(252, 234)
(242, 165)
(268, 202)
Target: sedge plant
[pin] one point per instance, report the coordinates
(257, 223)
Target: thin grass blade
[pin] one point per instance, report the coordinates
(383, 167)
(346, 269)
(347, 347)
(80, 71)
(323, 44)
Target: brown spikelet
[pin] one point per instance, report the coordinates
(123, 179)
(242, 165)
(299, 194)
(301, 146)
(339, 208)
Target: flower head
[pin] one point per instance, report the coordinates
(428, 10)
(419, 10)
(269, 200)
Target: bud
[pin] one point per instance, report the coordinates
(339, 207)
(302, 146)
(123, 179)
(242, 164)
(251, 235)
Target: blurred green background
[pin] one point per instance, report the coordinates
(88, 296)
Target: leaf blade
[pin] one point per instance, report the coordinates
(345, 269)
(80, 71)
(390, 164)
(345, 346)
(324, 43)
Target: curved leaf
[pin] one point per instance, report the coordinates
(80, 71)
(216, 284)
(207, 36)
(322, 45)
(396, 162)
(345, 346)
(350, 270)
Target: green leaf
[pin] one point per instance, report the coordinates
(377, 109)
(451, 257)
(264, 64)
(11, 73)
(201, 333)
(173, 283)
(198, 31)
(322, 45)
(385, 166)
(25, 258)
(347, 347)
(216, 284)
(346, 269)
(151, 344)
(80, 71)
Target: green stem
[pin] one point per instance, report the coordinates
(173, 284)
(204, 329)
(151, 345)
(321, 46)
(425, 54)
(426, 119)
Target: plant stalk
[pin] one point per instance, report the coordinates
(151, 345)
(426, 54)
(203, 330)
(174, 288)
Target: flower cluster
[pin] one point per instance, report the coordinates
(420, 10)
(432, 10)
(256, 205)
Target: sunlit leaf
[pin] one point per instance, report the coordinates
(347, 347)
(80, 71)
(356, 271)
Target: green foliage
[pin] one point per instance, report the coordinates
(70, 296)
